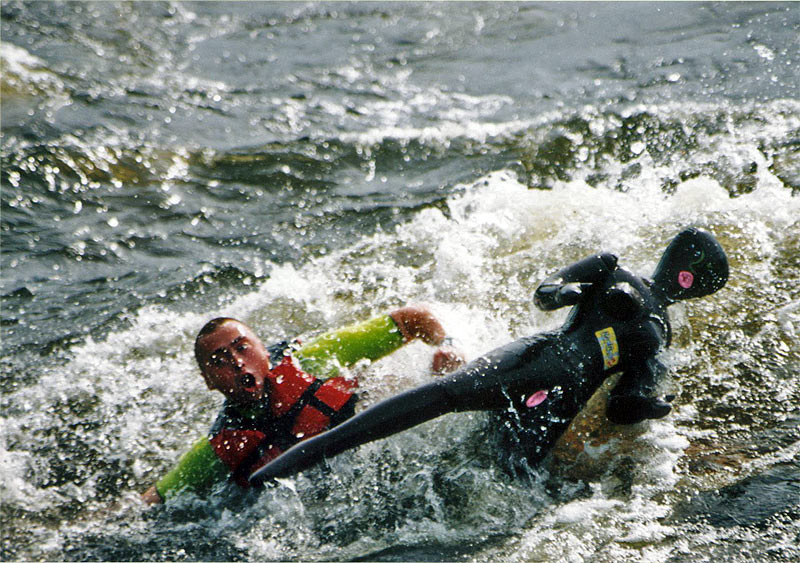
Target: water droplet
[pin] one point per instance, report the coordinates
(637, 147)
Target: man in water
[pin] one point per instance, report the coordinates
(272, 400)
(540, 383)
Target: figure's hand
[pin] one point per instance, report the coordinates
(551, 296)
(416, 321)
(447, 359)
(630, 409)
(570, 294)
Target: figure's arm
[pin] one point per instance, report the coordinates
(567, 286)
(371, 340)
(632, 400)
(197, 469)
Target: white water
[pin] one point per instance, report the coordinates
(132, 402)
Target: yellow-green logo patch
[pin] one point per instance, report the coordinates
(608, 346)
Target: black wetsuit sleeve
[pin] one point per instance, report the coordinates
(632, 399)
(567, 286)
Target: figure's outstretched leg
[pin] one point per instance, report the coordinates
(480, 385)
(379, 421)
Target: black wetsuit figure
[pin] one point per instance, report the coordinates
(619, 324)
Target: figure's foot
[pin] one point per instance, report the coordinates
(630, 409)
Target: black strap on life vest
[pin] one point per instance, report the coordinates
(348, 410)
(305, 399)
(281, 428)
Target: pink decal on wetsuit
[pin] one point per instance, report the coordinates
(685, 279)
(536, 399)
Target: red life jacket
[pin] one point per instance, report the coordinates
(300, 406)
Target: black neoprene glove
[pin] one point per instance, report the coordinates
(560, 295)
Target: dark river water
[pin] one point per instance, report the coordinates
(305, 165)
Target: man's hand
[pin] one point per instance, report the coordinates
(151, 496)
(447, 359)
(416, 321)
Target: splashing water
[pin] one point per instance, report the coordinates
(158, 174)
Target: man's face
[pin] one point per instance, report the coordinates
(234, 362)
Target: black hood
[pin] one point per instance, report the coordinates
(693, 265)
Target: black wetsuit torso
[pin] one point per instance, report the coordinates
(617, 325)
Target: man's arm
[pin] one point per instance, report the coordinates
(373, 339)
(416, 321)
(197, 469)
